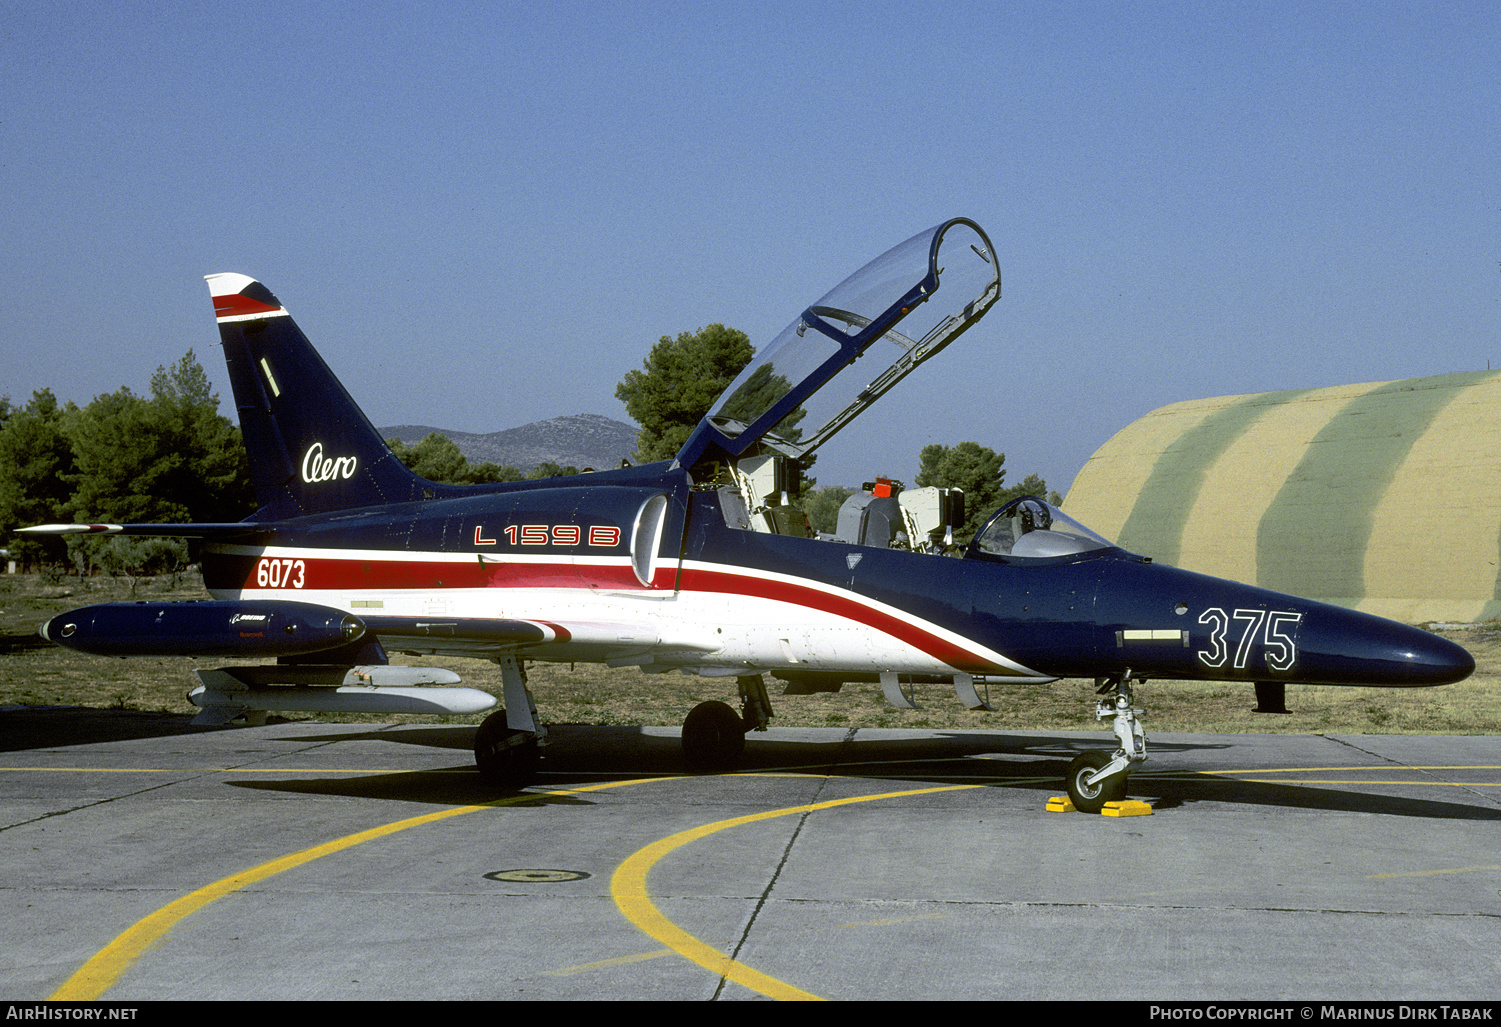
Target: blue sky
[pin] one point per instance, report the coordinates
(484, 214)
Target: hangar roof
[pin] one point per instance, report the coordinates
(1383, 496)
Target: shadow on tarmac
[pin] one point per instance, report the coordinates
(50, 727)
(1036, 763)
(586, 753)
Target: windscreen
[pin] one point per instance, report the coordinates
(1029, 528)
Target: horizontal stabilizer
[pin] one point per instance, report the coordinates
(222, 532)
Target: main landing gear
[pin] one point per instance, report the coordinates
(714, 734)
(508, 743)
(504, 755)
(1097, 777)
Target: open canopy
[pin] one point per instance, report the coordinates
(850, 347)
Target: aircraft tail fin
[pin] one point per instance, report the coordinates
(311, 448)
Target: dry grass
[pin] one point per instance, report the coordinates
(34, 673)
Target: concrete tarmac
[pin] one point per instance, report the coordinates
(143, 860)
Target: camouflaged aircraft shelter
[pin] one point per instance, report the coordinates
(1384, 497)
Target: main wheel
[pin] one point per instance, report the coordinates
(505, 756)
(713, 736)
(1092, 798)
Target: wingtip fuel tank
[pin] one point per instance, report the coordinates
(251, 629)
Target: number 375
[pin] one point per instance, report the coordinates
(1273, 628)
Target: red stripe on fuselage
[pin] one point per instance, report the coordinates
(336, 574)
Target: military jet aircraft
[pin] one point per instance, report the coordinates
(699, 564)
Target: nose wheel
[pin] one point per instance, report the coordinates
(1097, 777)
(1086, 789)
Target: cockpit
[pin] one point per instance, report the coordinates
(1030, 528)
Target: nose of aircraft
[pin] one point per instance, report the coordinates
(1359, 649)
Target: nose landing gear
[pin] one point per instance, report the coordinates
(1097, 777)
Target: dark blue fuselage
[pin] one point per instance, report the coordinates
(1104, 612)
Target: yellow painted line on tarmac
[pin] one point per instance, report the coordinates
(628, 888)
(1257, 776)
(107, 965)
(888, 921)
(643, 957)
(1431, 873)
(605, 964)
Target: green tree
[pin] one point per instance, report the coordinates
(756, 396)
(435, 457)
(116, 451)
(36, 468)
(979, 471)
(972, 467)
(676, 385)
(488, 471)
(211, 475)
(552, 469)
(130, 556)
(1032, 485)
(168, 459)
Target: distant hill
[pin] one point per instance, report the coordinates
(580, 440)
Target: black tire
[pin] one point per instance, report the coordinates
(1092, 799)
(713, 737)
(504, 757)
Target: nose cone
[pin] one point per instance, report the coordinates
(1358, 649)
(62, 629)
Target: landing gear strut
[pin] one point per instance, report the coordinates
(1097, 777)
(714, 734)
